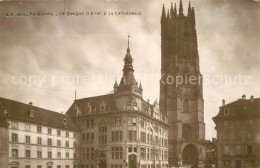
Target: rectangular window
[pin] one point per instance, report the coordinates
(58, 132)
(226, 150)
(14, 152)
(92, 154)
(27, 153)
(143, 137)
(49, 130)
(226, 136)
(67, 134)
(92, 123)
(67, 144)
(14, 125)
(27, 139)
(39, 154)
(143, 153)
(132, 135)
(87, 137)
(39, 166)
(132, 121)
(39, 129)
(39, 140)
(102, 129)
(118, 121)
(249, 149)
(87, 153)
(116, 136)
(238, 150)
(117, 153)
(27, 166)
(58, 166)
(14, 137)
(67, 155)
(58, 142)
(49, 154)
(58, 155)
(92, 137)
(102, 139)
(49, 142)
(27, 127)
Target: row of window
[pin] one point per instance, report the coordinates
(239, 150)
(87, 137)
(14, 125)
(39, 141)
(238, 123)
(40, 166)
(39, 154)
(150, 154)
(152, 166)
(117, 121)
(244, 164)
(132, 136)
(117, 153)
(238, 136)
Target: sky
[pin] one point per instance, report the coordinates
(44, 59)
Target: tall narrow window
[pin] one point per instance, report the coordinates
(186, 105)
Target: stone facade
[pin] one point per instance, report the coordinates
(37, 138)
(238, 127)
(181, 95)
(121, 130)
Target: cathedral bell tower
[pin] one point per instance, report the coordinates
(181, 95)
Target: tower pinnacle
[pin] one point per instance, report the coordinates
(163, 13)
(181, 9)
(189, 10)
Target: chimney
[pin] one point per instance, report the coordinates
(223, 102)
(243, 96)
(30, 103)
(252, 99)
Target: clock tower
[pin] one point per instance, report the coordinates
(181, 89)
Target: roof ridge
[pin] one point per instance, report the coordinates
(39, 108)
(96, 96)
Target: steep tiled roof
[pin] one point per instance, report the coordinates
(20, 111)
(94, 103)
(241, 107)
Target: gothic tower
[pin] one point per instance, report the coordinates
(181, 95)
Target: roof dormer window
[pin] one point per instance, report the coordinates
(102, 106)
(226, 111)
(88, 108)
(31, 113)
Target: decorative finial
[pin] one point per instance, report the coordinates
(75, 94)
(128, 39)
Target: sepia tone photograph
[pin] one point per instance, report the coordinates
(130, 84)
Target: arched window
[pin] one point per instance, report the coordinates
(186, 105)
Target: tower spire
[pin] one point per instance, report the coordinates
(181, 9)
(171, 12)
(163, 13)
(193, 15)
(189, 10)
(168, 14)
(175, 10)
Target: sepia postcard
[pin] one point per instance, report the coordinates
(129, 84)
